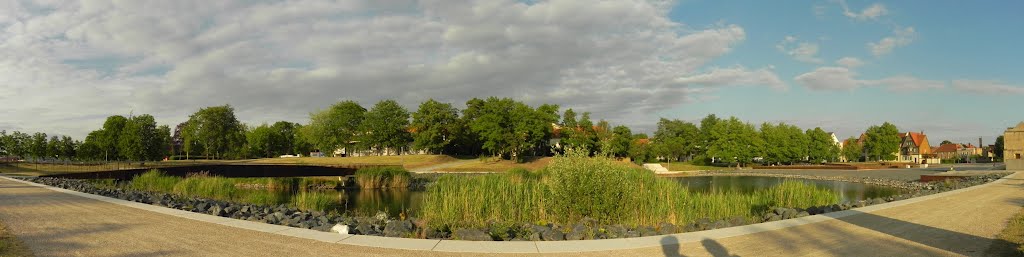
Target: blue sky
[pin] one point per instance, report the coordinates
(954, 40)
(948, 68)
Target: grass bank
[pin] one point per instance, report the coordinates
(406, 161)
(488, 164)
(12, 246)
(1014, 232)
(576, 186)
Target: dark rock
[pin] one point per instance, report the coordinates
(552, 235)
(720, 224)
(216, 210)
(703, 224)
(365, 229)
(877, 201)
(647, 231)
(789, 214)
(802, 214)
(397, 228)
(579, 232)
(471, 235)
(738, 221)
(437, 234)
(666, 228)
(632, 233)
(616, 231)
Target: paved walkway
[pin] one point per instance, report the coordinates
(58, 224)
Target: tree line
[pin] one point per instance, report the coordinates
(493, 126)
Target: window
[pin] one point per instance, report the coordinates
(1018, 156)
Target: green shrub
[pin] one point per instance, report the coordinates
(312, 200)
(383, 177)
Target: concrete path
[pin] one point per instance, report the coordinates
(961, 223)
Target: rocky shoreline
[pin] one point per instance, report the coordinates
(382, 225)
(908, 185)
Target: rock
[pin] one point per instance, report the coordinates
(437, 234)
(579, 232)
(703, 224)
(789, 214)
(802, 214)
(877, 201)
(647, 231)
(380, 216)
(780, 211)
(666, 228)
(738, 221)
(365, 229)
(470, 234)
(552, 235)
(398, 228)
(216, 210)
(720, 224)
(632, 233)
(616, 231)
(340, 229)
(772, 217)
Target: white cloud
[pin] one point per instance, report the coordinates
(850, 62)
(899, 38)
(845, 79)
(872, 12)
(69, 65)
(800, 51)
(986, 87)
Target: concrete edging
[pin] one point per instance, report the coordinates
(503, 246)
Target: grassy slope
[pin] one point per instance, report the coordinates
(10, 245)
(407, 161)
(498, 165)
(1014, 232)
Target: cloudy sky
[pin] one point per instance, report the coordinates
(948, 68)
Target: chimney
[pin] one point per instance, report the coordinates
(979, 141)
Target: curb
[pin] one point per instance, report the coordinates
(436, 245)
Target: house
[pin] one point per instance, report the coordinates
(1013, 147)
(969, 152)
(914, 148)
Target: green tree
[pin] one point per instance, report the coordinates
(784, 143)
(215, 129)
(90, 148)
(735, 142)
(261, 140)
(18, 144)
(883, 142)
(507, 128)
(436, 126)
(945, 142)
(53, 147)
(4, 141)
(676, 140)
(331, 129)
(301, 143)
(163, 143)
(139, 139)
(38, 145)
(997, 148)
(622, 141)
(285, 141)
(852, 150)
(386, 126)
(821, 148)
(109, 139)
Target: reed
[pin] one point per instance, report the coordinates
(575, 186)
(383, 177)
(154, 180)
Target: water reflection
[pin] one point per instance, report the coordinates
(848, 191)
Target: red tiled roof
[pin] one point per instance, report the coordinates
(947, 148)
(643, 141)
(917, 137)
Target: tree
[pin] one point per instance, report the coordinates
(215, 129)
(946, 142)
(821, 148)
(38, 145)
(639, 149)
(163, 142)
(852, 150)
(53, 147)
(622, 141)
(18, 144)
(784, 143)
(90, 148)
(261, 140)
(436, 126)
(284, 143)
(507, 128)
(882, 142)
(108, 141)
(140, 140)
(676, 140)
(735, 142)
(998, 148)
(4, 140)
(386, 127)
(335, 127)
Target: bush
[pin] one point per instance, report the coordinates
(312, 200)
(383, 177)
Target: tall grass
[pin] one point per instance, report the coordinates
(313, 200)
(383, 177)
(154, 180)
(575, 186)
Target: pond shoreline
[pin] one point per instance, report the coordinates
(381, 225)
(908, 185)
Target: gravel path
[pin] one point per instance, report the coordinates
(57, 224)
